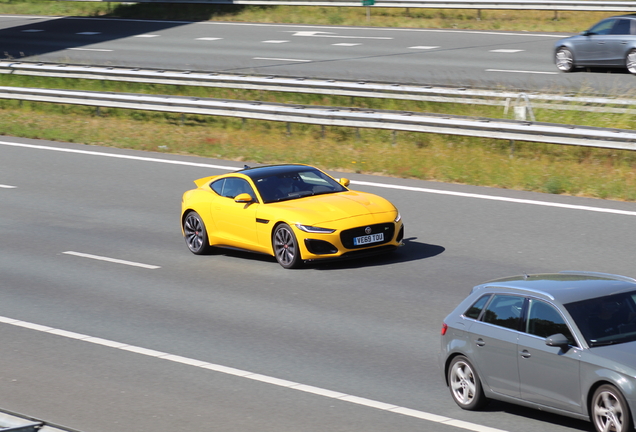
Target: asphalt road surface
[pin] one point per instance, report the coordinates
(108, 323)
(520, 60)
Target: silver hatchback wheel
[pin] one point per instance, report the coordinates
(630, 61)
(610, 412)
(564, 60)
(464, 384)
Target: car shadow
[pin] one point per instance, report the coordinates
(602, 70)
(30, 41)
(542, 416)
(411, 251)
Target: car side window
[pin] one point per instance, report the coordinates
(621, 27)
(475, 310)
(505, 311)
(544, 320)
(231, 187)
(602, 28)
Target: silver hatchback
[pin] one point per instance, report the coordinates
(609, 43)
(563, 342)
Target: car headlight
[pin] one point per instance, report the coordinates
(398, 218)
(314, 230)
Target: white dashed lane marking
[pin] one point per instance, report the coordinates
(281, 59)
(522, 71)
(112, 260)
(91, 49)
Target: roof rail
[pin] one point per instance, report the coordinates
(600, 274)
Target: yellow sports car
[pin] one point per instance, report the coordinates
(296, 213)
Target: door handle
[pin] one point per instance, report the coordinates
(525, 354)
(480, 342)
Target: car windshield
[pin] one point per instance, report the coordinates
(606, 320)
(296, 184)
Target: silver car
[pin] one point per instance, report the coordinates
(610, 43)
(563, 342)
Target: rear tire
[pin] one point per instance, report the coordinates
(564, 60)
(630, 61)
(464, 384)
(286, 248)
(195, 234)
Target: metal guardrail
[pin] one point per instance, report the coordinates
(346, 117)
(322, 86)
(17, 423)
(556, 5)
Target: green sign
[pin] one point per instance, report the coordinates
(368, 2)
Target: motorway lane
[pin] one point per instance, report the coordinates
(426, 56)
(369, 329)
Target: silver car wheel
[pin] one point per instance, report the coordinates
(631, 61)
(609, 410)
(195, 234)
(564, 60)
(464, 383)
(286, 247)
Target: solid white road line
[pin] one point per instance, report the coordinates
(380, 185)
(7, 186)
(112, 260)
(447, 421)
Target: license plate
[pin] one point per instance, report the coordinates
(371, 238)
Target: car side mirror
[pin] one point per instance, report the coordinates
(243, 198)
(344, 181)
(557, 340)
(586, 33)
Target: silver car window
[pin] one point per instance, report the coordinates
(505, 311)
(621, 27)
(544, 321)
(475, 310)
(602, 28)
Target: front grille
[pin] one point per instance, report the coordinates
(347, 236)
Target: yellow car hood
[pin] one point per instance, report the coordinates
(321, 209)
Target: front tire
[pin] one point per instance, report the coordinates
(564, 60)
(464, 384)
(195, 234)
(286, 248)
(610, 412)
(630, 61)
